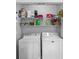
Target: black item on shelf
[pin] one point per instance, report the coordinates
(16, 12)
(35, 13)
(19, 13)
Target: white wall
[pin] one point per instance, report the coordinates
(18, 7)
(18, 31)
(39, 0)
(42, 9)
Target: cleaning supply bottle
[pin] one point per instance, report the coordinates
(38, 22)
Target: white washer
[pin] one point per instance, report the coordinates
(52, 46)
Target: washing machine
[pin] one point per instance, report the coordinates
(52, 46)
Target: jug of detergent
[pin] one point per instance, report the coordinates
(38, 22)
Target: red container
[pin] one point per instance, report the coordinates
(55, 21)
(40, 17)
(49, 15)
